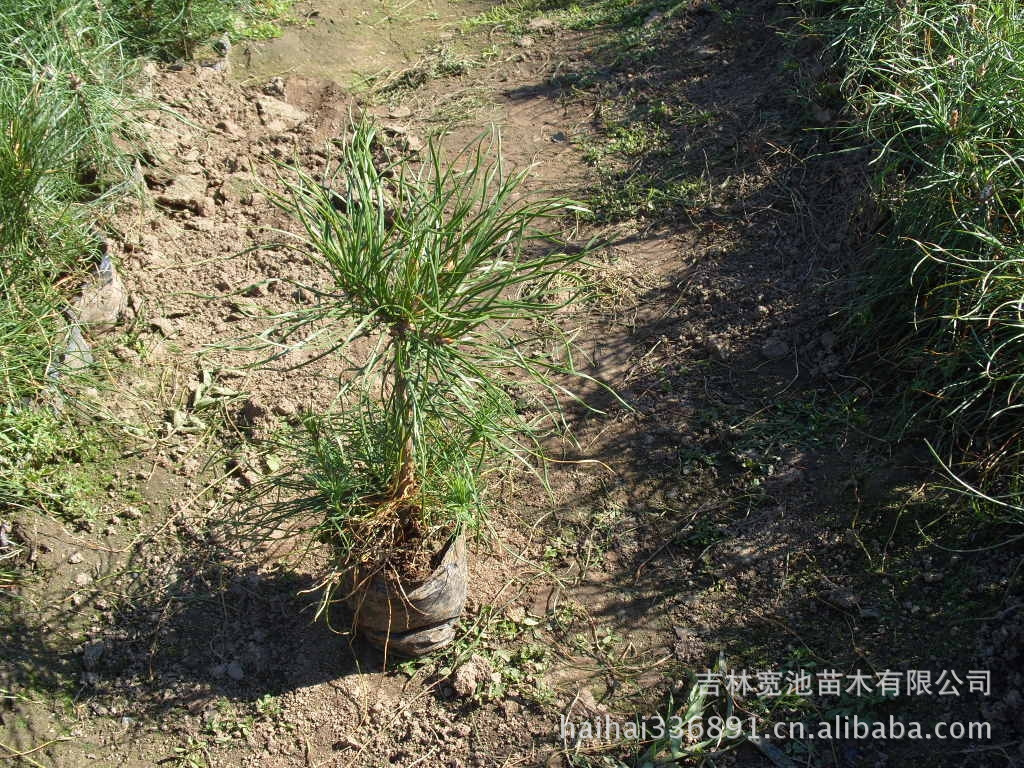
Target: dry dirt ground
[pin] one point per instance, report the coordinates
(744, 508)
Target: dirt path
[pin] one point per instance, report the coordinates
(743, 509)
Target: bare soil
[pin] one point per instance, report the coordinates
(747, 506)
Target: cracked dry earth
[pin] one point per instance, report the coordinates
(700, 529)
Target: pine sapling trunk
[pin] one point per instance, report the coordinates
(405, 475)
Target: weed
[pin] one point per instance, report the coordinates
(269, 708)
(933, 89)
(171, 29)
(194, 753)
(10, 551)
(70, 129)
(48, 464)
(440, 61)
(702, 724)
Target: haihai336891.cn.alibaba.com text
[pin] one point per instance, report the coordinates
(605, 729)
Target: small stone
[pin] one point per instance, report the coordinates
(715, 348)
(75, 558)
(525, 42)
(103, 300)
(400, 112)
(83, 580)
(470, 675)
(542, 25)
(279, 116)
(516, 614)
(165, 325)
(775, 349)
(238, 186)
(186, 191)
(230, 127)
(394, 129)
(285, 408)
(222, 45)
(77, 352)
(92, 653)
(206, 208)
(234, 671)
(275, 87)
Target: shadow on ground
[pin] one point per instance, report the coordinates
(759, 507)
(179, 631)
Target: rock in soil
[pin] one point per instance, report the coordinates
(185, 191)
(775, 349)
(471, 675)
(103, 300)
(91, 654)
(279, 116)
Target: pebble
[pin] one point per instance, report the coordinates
(185, 191)
(103, 300)
(542, 25)
(775, 349)
(83, 579)
(275, 87)
(165, 325)
(75, 558)
(279, 116)
(234, 671)
(92, 653)
(286, 408)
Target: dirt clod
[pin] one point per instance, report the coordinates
(471, 675)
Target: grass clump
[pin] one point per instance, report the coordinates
(66, 129)
(65, 112)
(937, 89)
(174, 29)
(48, 465)
(515, 15)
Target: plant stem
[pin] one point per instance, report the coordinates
(405, 477)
